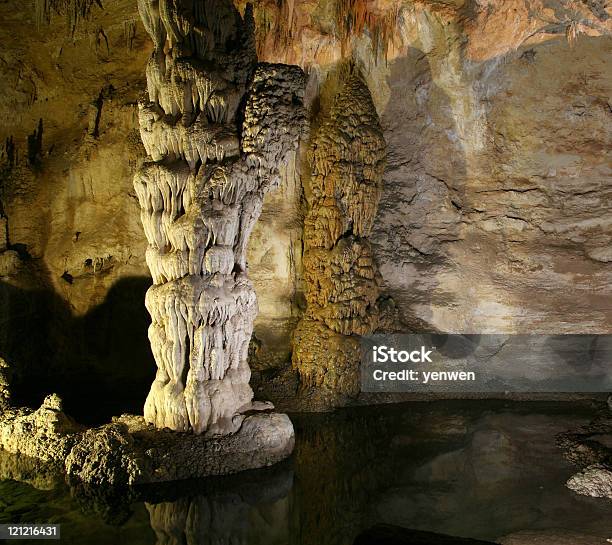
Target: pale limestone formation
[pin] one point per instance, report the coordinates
(594, 481)
(128, 451)
(201, 193)
(45, 434)
(342, 282)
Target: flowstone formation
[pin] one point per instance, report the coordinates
(201, 191)
(342, 282)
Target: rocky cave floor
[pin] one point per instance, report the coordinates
(491, 470)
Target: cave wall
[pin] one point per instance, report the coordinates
(495, 212)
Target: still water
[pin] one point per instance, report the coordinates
(474, 469)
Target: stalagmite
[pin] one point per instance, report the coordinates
(342, 282)
(201, 191)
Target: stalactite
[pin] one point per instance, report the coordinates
(74, 11)
(353, 17)
(342, 283)
(129, 33)
(278, 23)
(35, 145)
(201, 192)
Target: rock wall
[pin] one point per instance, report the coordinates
(495, 216)
(495, 210)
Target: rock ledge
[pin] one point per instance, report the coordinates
(129, 452)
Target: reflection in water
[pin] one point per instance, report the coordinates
(468, 469)
(238, 515)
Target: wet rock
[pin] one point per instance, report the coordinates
(262, 440)
(594, 481)
(590, 448)
(106, 456)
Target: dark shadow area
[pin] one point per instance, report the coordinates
(424, 199)
(100, 363)
(386, 534)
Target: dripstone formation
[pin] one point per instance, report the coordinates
(342, 282)
(216, 127)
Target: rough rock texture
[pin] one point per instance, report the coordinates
(590, 448)
(45, 434)
(595, 481)
(201, 194)
(495, 199)
(485, 237)
(105, 456)
(128, 451)
(340, 276)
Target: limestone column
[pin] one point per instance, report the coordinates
(341, 280)
(217, 127)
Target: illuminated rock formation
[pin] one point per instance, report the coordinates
(342, 283)
(201, 192)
